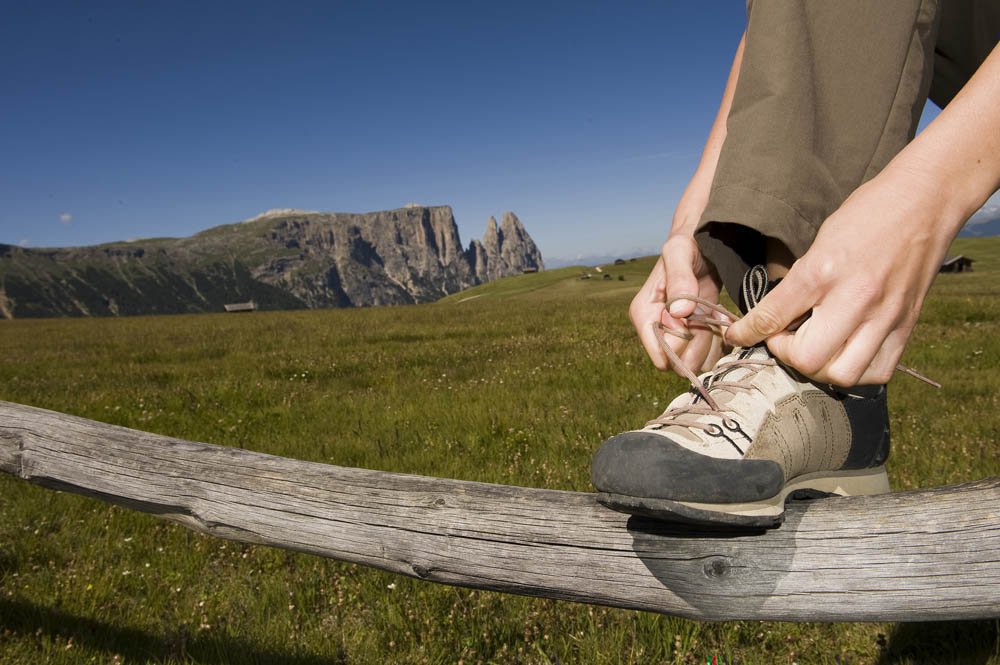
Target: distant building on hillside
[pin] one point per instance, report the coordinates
(241, 307)
(958, 263)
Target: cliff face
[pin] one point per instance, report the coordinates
(507, 250)
(281, 260)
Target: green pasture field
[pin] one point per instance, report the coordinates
(514, 382)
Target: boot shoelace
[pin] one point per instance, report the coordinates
(715, 380)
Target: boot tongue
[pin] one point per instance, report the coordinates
(722, 396)
(755, 286)
(758, 352)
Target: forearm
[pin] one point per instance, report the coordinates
(695, 196)
(957, 157)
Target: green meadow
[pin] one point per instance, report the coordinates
(514, 382)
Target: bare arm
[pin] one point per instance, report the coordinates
(681, 268)
(867, 273)
(695, 196)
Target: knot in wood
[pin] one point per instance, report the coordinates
(715, 567)
(423, 572)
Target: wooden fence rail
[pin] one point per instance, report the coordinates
(921, 555)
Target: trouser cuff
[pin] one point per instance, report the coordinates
(734, 247)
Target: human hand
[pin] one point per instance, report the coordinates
(873, 261)
(681, 269)
(864, 279)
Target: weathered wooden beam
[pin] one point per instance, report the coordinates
(929, 554)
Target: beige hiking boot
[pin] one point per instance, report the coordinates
(754, 434)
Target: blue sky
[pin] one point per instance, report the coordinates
(125, 120)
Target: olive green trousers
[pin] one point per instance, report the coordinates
(828, 92)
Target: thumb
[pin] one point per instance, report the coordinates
(678, 260)
(774, 313)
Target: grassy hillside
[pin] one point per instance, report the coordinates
(515, 382)
(621, 283)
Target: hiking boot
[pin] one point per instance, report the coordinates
(752, 434)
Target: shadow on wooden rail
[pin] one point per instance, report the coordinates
(909, 556)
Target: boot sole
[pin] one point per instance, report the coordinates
(764, 514)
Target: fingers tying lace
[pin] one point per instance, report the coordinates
(717, 324)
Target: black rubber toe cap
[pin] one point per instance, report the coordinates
(643, 464)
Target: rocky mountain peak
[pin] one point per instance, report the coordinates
(491, 238)
(508, 249)
(511, 224)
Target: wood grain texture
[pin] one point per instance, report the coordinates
(909, 556)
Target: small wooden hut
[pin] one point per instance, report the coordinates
(960, 263)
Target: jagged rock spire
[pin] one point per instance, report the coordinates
(517, 249)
